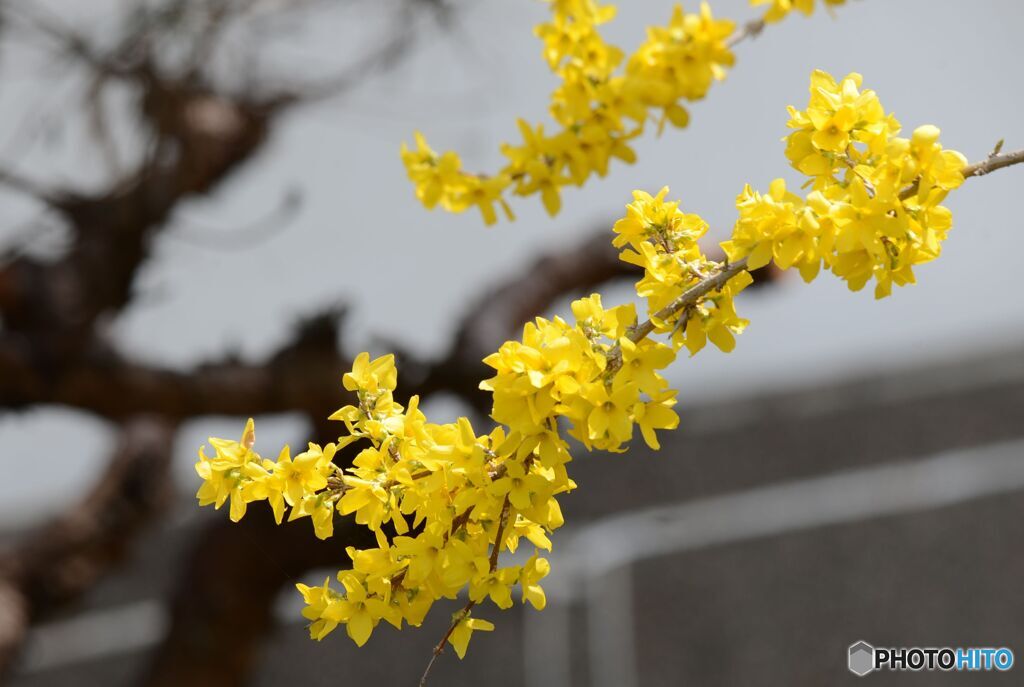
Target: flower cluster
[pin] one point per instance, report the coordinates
(445, 502)
(603, 102)
(663, 241)
(874, 211)
(238, 473)
(591, 373)
(442, 501)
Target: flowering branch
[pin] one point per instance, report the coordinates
(598, 378)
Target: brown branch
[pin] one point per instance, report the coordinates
(35, 18)
(303, 375)
(200, 137)
(502, 309)
(66, 557)
(388, 53)
(30, 188)
(111, 232)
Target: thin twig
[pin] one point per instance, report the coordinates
(690, 297)
(992, 163)
(48, 25)
(461, 615)
(749, 30)
(460, 521)
(499, 538)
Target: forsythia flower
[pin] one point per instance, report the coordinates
(533, 572)
(229, 472)
(464, 630)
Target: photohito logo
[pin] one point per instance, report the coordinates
(864, 658)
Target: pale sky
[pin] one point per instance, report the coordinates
(361, 237)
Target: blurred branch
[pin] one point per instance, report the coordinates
(302, 374)
(200, 137)
(502, 310)
(238, 238)
(61, 560)
(111, 231)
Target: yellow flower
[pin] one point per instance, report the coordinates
(372, 377)
(602, 102)
(608, 424)
(320, 510)
(520, 485)
(224, 475)
(322, 608)
(544, 178)
(360, 611)
(532, 573)
(641, 361)
(304, 474)
(422, 553)
(495, 585)
(656, 414)
(433, 174)
(464, 631)
(484, 193)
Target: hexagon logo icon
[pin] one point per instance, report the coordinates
(861, 658)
